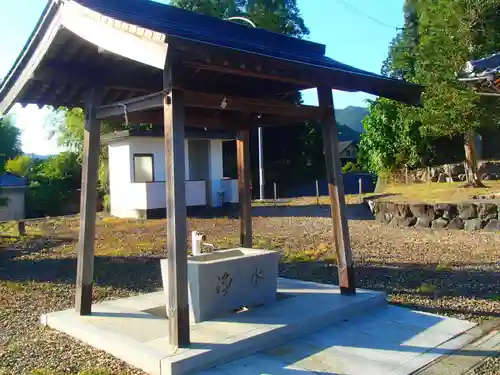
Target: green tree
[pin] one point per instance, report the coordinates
(54, 185)
(392, 138)
(10, 140)
(282, 16)
(437, 40)
(20, 165)
(10, 145)
(451, 33)
(68, 126)
(401, 60)
(215, 8)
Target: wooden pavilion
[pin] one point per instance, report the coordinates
(141, 61)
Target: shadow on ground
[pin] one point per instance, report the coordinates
(359, 211)
(14, 246)
(143, 274)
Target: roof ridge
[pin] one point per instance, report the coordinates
(185, 21)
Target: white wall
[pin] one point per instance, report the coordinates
(230, 188)
(203, 169)
(196, 193)
(155, 194)
(215, 172)
(120, 172)
(14, 210)
(150, 145)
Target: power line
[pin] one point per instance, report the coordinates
(363, 14)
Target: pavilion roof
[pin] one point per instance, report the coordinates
(483, 74)
(66, 50)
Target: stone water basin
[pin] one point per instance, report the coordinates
(226, 280)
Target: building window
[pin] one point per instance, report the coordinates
(143, 168)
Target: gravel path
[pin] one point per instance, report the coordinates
(451, 273)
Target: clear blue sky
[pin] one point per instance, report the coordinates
(350, 38)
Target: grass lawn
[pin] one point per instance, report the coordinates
(444, 192)
(451, 273)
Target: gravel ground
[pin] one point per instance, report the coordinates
(489, 367)
(450, 273)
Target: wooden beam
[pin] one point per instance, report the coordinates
(212, 122)
(216, 102)
(142, 103)
(212, 58)
(341, 239)
(174, 112)
(305, 83)
(225, 103)
(244, 183)
(88, 203)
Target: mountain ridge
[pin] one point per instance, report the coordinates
(352, 117)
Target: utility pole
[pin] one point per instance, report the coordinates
(261, 166)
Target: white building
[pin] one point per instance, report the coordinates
(137, 172)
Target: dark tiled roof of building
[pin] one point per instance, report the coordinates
(344, 144)
(11, 180)
(179, 23)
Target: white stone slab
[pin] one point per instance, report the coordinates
(367, 344)
(127, 329)
(313, 330)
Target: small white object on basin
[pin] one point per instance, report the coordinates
(225, 280)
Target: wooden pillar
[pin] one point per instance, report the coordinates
(341, 239)
(88, 205)
(245, 199)
(174, 116)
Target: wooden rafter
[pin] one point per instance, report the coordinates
(255, 72)
(82, 76)
(212, 58)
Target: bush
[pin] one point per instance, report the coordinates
(351, 167)
(54, 186)
(19, 166)
(107, 203)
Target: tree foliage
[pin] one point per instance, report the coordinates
(10, 140)
(392, 138)
(20, 165)
(54, 185)
(10, 145)
(453, 32)
(437, 40)
(282, 16)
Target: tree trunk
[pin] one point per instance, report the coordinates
(473, 179)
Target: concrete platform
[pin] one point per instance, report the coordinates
(319, 330)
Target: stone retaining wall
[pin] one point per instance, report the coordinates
(466, 215)
(487, 170)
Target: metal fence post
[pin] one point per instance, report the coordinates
(317, 192)
(275, 194)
